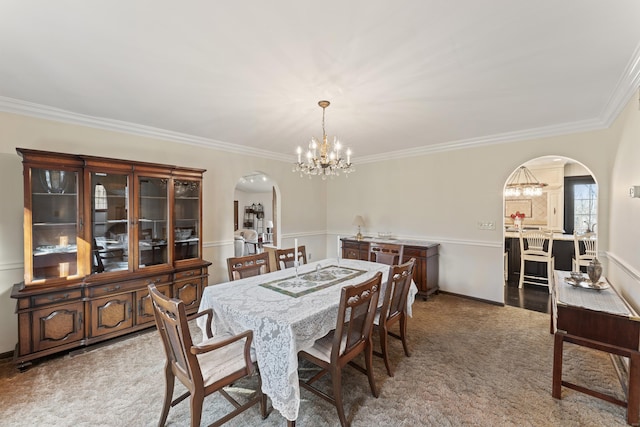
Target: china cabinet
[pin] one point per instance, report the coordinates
(97, 232)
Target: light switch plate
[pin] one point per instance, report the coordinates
(486, 225)
(634, 191)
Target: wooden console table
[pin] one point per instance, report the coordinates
(425, 272)
(601, 320)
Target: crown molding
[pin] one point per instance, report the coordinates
(16, 106)
(625, 88)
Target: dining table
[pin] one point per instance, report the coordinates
(287, 312)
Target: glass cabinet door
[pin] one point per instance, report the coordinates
(54, 223)
(187, 219)
(153, 214)
(109, 222)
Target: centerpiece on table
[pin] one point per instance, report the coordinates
(517, 218)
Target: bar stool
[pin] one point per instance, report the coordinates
(589, 243)
(535, 251)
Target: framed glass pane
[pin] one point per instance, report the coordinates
(54, 206)
(152, 221)
(110, 222)
(187, 219)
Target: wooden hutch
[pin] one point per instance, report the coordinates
(97, 232)
(425, 272)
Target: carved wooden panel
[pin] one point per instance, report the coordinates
(189, 291)
(56, 326)
(144, 306)
(111, 314)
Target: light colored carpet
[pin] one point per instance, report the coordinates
(472, 364)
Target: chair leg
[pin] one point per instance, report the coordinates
(336, 380)
(384, 335)
(368, 360)
(197, 399)
(521, 282)
(263, 399)
(168, 395)
(403, 334)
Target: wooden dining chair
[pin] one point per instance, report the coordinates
(286, 257)
(204, 368)
(351, 337)
(247, 266)
(533, 248)
(385, 253)
(394, 309)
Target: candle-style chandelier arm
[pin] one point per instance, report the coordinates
(329, 162)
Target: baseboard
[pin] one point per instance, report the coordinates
(486, 301)
(7, 355)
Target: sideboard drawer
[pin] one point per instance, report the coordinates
(410, 251)
(56, 297)
(188, 273)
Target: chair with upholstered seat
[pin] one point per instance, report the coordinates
(247, 266)
(286, 257)
(385, 253)
(204, 368)
(394, 309)
(585, 250)
(351, 337)
(536, 246)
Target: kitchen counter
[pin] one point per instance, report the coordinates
(556, 236)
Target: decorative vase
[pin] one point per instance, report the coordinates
(517, 222)
(594, 270)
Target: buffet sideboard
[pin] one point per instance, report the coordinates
(425, 273)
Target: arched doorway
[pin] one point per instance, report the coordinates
(257, 208)
(568, 202)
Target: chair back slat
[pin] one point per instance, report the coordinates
(585, 249)
(248, 266)
(286, 257)
(357, 310)
(398, 284)
(533, 241)
(171, 320)
(385, 253)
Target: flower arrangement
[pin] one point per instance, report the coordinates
(517, 219)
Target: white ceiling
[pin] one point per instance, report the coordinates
(402, 77)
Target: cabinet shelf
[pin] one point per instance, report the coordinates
(53, 224)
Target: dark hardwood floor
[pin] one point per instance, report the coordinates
(530, 297)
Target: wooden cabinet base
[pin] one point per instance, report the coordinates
(425, 272)
(52, 320)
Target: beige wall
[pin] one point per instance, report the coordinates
(303, 200)
(624, 247)
(439, 197)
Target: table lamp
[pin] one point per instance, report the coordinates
(269, 226)
(359, 222)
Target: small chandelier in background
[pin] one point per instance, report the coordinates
(523, 183)
(322, 158)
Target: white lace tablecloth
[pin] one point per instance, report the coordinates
(283, 325)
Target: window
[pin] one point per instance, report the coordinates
(100, 197)
(580, 203)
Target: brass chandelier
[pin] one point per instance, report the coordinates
(322, 158)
